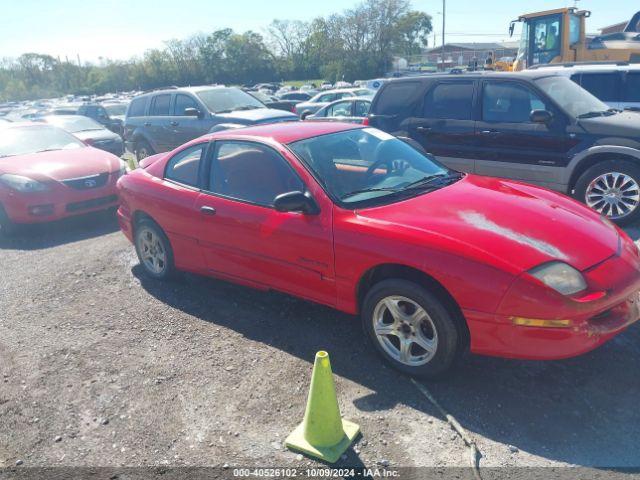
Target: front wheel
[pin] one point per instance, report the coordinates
(154, 250)
(411, 328)
(612, 188)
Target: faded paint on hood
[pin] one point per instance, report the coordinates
(502, 221)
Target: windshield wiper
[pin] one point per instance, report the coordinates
(48, 150)
(597, 113)
(367, 190)
(248, 107)
(438, 179)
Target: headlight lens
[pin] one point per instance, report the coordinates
(23, 184)
(561, 277)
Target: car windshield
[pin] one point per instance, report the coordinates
(363, 165)
(74, 124)
(574, 99)
(33, 139)
(115, 109)
(225, 100)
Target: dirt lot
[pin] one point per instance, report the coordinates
(100, 366)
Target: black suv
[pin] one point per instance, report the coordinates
(162, 120)
(533, 126)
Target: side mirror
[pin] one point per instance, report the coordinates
(512, 26)
(193, 112)
(541, 116)
(296, 202)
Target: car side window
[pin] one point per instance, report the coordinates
(632, 88)
(160, 105)
(251, 172)
(183, 102)
(340, 109)
(330, 97)
(605, 86)
(509, 103)
(361, 109)
(137, 107)
(184, 166)
(450, 100)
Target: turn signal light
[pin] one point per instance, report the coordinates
(537, 322)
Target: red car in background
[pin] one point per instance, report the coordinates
(436, 262)
(47, 174)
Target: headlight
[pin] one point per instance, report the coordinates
(561, 277)
(23, 184)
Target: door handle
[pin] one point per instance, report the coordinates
(147, 124)
(206, 210)
(174, 124)
(423, 129)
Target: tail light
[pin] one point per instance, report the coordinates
(365, 121)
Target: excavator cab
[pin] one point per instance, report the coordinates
(558, 36)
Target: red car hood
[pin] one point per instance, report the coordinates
(503, 221)
(61, 164)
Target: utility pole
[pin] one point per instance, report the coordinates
(444, 5)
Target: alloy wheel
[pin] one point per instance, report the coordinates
(152, 251)
(613, 194)
(405, 330)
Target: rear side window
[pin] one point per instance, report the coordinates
(185, 165)
(632, 88)
(602, 85)
(137, 107)
(396, 98)
(450, 100)
(160, 105)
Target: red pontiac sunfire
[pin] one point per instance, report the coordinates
(433, 260)
(47, 174)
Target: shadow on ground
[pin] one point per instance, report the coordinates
(53, 234)
(581, 411)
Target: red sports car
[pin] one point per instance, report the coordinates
(48, 174)
(433, 260)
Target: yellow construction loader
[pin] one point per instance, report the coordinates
(558, 36)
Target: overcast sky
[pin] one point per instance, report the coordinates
(119, 29)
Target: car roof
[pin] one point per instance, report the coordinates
(524, 74)
(590, 67)
(285, 132)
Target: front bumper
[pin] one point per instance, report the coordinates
(58, 203)
(593, 319)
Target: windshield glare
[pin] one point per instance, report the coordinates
(575, 100)
(32, 139)
(220, 100)
(74, 124)
(364, 161)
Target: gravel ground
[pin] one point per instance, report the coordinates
(100, 366)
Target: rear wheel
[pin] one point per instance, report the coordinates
(411, 328)
(612, 188)
(142, 150)
(154, 250)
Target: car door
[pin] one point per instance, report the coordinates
(173, 204)
(245, 239)
(158, 123)
(510, 144)
(187, 127)
(445, 127)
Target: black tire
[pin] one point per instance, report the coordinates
(166, 269)
(626, 167)
(7, 227)
(447, 346)
(142, 150)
